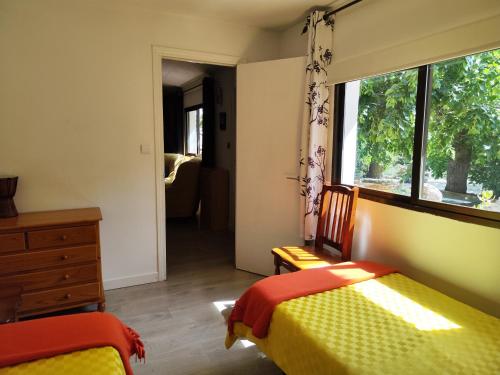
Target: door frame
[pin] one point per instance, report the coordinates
(159, 53)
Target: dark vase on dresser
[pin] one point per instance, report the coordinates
(8, 186)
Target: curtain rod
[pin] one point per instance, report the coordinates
(341, 8)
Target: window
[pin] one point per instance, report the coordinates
(462, 163)
(194, 130)
(379, 126)
(426, 138)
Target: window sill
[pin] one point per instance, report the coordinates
(486, 218)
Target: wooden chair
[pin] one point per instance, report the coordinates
(335, 229)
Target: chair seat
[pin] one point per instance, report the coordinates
(305, 257)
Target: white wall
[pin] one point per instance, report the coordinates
(76, 103)
(393, 34)
(292, 43)
(379, 36)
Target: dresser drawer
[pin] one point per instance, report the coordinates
(61, 296)
(12, 242)
(46, 258)
(53, 279)
(62, 237)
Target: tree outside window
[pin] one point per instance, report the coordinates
(462, 135)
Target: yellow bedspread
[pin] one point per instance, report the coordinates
(389, 325)
(96, 361)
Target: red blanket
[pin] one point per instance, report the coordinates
(256, 306)
(42, 338)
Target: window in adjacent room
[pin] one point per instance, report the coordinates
(194, 130)
(426, 138)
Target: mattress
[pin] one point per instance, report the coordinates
(95, 361)
(388, 325)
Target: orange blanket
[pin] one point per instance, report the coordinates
(255, 307)
(41, 338)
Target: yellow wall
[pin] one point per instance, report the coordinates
(460, 259)
(76, 102)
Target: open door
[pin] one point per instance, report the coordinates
(270, 97)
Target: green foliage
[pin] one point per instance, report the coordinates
(464, 114)
(386, 119)
(465, 111)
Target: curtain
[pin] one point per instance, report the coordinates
(173, 120)
(208, 142)
(314, 135)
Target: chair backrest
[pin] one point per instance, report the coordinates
(336, 221)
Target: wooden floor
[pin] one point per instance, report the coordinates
(182, 328)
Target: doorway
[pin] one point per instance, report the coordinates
(199, 127)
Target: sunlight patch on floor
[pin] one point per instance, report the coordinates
(223, 305)
(246, 343)
(403, 307)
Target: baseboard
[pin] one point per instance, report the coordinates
(122, 282)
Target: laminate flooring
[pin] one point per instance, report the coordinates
(180, 320)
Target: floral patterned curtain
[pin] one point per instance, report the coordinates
(314, 138)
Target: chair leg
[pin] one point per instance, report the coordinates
(277, 264)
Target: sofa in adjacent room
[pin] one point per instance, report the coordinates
(182, 195)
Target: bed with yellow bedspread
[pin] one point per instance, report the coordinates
(95, 361)
(388, 325)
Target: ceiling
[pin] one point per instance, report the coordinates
(267, 14)
(177, 73)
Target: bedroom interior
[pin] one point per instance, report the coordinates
(300, 187)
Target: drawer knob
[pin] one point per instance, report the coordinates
(66, 277)
(64, 257)
(67, 296)
(64, 237)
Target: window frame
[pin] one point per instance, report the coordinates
(412, 202)
(186, 123)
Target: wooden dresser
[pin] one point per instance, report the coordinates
(54, 257)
